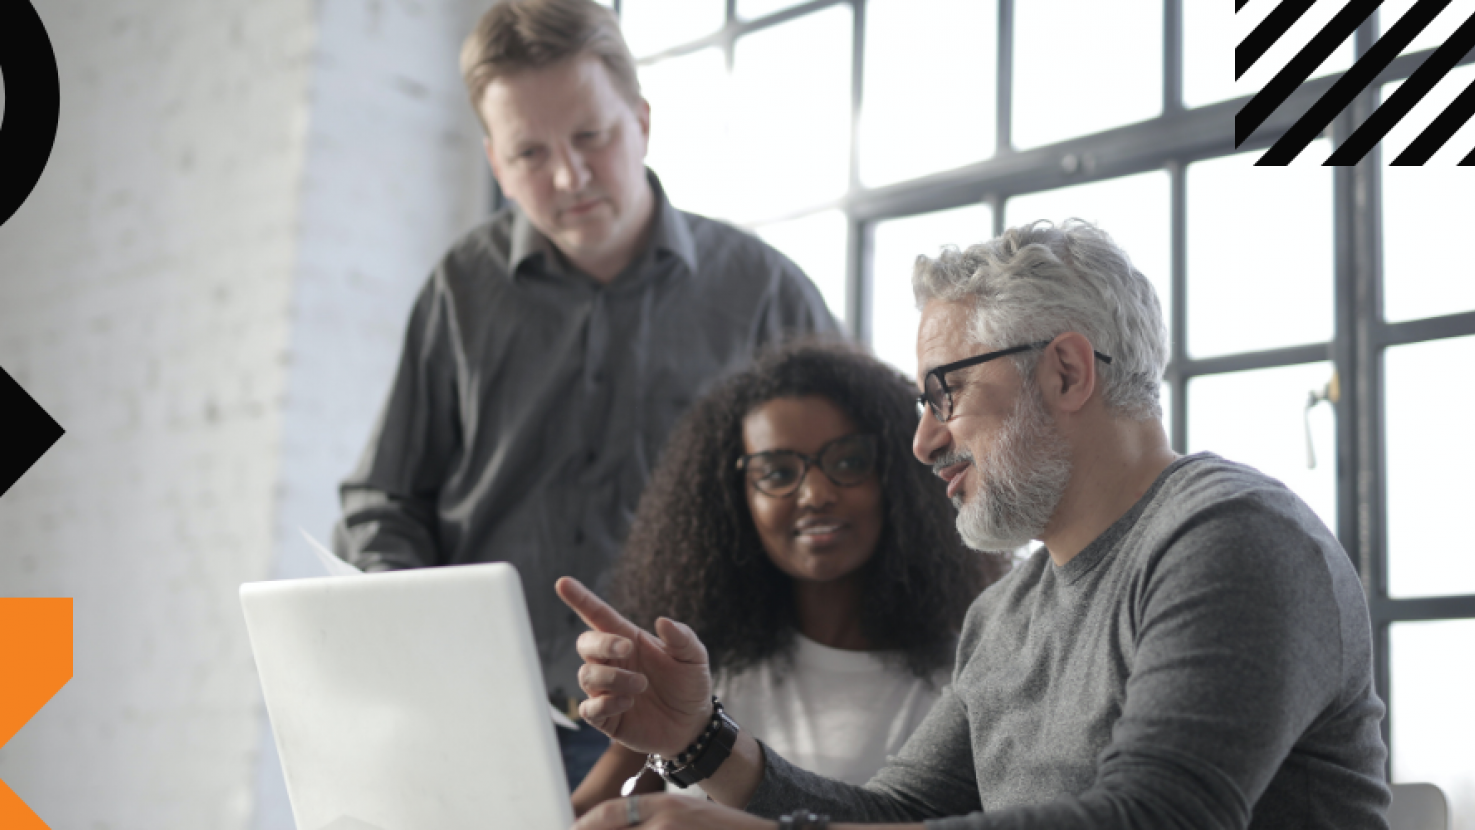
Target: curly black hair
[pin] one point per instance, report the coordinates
(694, 555)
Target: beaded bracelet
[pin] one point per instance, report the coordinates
(696, 763)
(804, 820)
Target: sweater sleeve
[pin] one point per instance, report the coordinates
(1238, 652)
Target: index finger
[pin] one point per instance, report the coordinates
(595, 612)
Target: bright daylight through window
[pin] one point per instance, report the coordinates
(1316, 314)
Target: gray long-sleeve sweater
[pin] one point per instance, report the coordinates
(1205, 663)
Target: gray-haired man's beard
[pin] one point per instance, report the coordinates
(1020, 481)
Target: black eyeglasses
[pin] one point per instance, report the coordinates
(847, 461)
(936, 395)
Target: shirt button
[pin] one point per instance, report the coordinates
(578, 536)
(590, 457)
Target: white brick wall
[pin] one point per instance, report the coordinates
(394, 175)
(207, 289)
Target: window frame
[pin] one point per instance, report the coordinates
(1180, 136)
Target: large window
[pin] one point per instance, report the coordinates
(1322, 319)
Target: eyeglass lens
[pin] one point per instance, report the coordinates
(846, 462)
(937, 398)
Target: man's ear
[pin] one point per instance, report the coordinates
(642, 115)
(1068, 372)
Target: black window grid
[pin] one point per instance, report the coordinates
(1176, 138)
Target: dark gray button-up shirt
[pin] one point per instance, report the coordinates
(531, 401)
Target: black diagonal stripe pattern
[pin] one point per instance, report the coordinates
(1352, 82)
(1267, 33)
(1403, 99)
(1440, 130)
(1341, 27)
(29, 432)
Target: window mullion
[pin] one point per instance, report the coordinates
(1004, 93)
(1359, 205)
(857, 86)
(1178, 335)
(862, 249)
(1172, 57)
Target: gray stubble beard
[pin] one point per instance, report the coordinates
(1020, 481)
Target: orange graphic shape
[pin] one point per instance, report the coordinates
(15, 815)
(35, 661)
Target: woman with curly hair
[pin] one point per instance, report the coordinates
(788, 524)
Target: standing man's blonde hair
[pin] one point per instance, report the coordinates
(517, 35)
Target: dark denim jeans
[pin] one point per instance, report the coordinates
(580, 750)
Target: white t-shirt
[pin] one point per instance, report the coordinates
(837, 713)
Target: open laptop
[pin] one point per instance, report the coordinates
(408, 700)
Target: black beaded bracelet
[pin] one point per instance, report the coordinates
(804, 820)
(700, 760)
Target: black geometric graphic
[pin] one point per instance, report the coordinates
(1402, 100)
(1354, 81)
(29, 431)
(32, 103)
(1295, 73)
(1275, 24)
(1442, 128)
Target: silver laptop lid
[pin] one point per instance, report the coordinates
(408, 700)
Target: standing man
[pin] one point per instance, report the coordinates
(554, 346)
(1190, 648)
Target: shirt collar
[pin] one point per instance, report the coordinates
(670, 233)
(527, 241)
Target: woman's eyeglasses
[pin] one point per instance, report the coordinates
(847, 461)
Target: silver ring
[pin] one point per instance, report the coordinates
(632, 811)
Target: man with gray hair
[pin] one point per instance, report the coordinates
(1190, 647)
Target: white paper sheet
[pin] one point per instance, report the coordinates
(328, 559)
